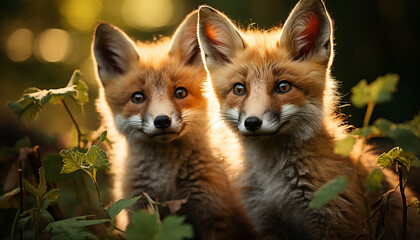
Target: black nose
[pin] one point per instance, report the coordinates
(253, 123)
(162, 122)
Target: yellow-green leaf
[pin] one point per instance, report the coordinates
(373, 180)
(345, 145)
(359, 94)
(329, 192)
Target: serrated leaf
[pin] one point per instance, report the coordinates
(46, 216)
(174, 228)
(373, 180)
(33, 99)
(345, 145)
(383, 87)
(72, 160)
(102, 137)
(359, 94)
(329, 192)
(23, 221)
(53, 194)
(143, 226)
(115, 208)
(396, 154)
(29, 187)
(97, 158)
(42, 186)
(73, 228)
(7, 200)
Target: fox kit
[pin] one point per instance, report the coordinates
(275, 92)
(156, 103)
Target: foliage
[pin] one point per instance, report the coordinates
(73, 228)
(33, 99)
(148, 227)
(373, 180)
(329, 192)
(89, 159)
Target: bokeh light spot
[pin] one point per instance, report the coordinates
(19, 46)
(147, 15)
(81, 14)
(54, 45)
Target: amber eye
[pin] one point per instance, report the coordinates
(239, 89)
(283, 86)
(138, 97)
(181, 92)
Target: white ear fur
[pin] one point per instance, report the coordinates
(308, 31)
(185, 42)
(114, 52)
(218, 37)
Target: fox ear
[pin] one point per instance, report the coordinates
(114, 52)
(185, 42)
(218, 37)
(308, 31)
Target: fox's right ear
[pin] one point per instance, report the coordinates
(218, 37)
(114, 52)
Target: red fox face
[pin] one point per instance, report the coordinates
(154, 92)
(274, 82)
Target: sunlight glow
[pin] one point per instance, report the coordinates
(147, 15)
(19, 46)
(54, 45)
(81, 14)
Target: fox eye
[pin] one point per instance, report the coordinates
(181, 92)
(138, 97)
(239, 89)
(283, 87)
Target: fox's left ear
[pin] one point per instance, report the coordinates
(307, 32)
(185, 42)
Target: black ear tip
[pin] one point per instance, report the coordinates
(103, 27)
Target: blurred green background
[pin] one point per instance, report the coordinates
(43, 41)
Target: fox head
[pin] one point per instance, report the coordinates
(274, 82)
(154, 89)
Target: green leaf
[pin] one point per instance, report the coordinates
(97, 158)
(7, 200)
(22, 143)
(46, 216)
(118, 206)
(405, 138)
(415, 124)
(384, 126)
(345, 145)
(72, 159)
(23, 221)
(73, 228)
(30, 188)
(364, 131)
(174, 228)
(42, 186)
(359, 94)
(417, 203)
(33, 99)
(383, 87)
(396, 154)
(143, 226)
(53, 194)
(329, 192)
(373, 180)
(102, 137)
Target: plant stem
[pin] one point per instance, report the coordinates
(404, 202)
(368, 114)
(21, 199)
(79, 133)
